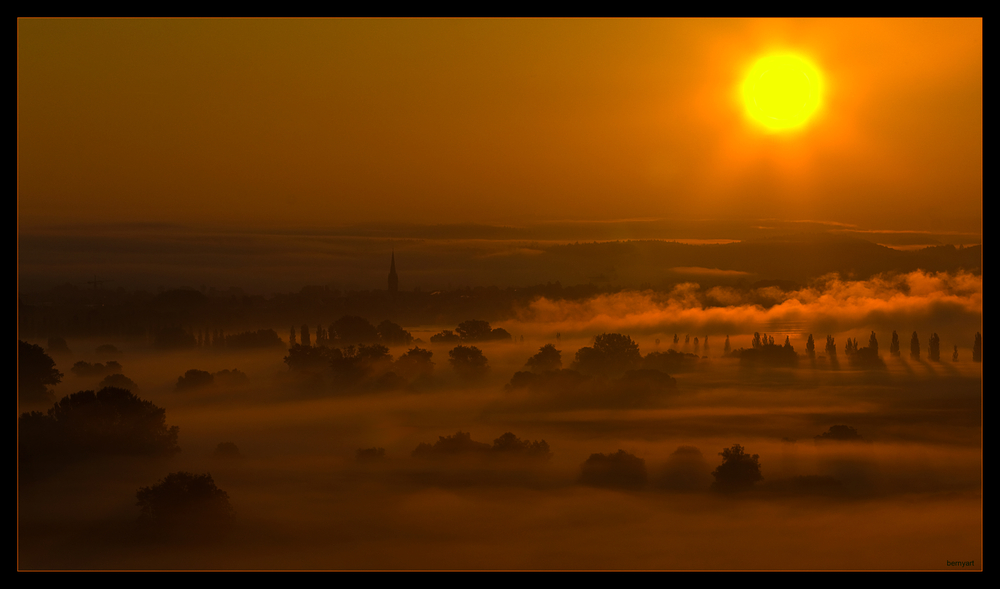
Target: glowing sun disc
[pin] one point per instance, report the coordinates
(782, 91)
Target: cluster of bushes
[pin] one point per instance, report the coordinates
(611, 372)
(372, 364)
(85, 369)
(462, 444)
(352, 330)
(764, 352)
(472, 331)
(196, 379)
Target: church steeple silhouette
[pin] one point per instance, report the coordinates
(393, 279)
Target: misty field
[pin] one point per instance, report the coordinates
(906, 494)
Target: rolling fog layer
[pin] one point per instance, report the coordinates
(907, 496)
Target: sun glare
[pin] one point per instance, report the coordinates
(782, 92)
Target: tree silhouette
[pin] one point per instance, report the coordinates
(475, 330)
(194, 379)
(460, 443)
(119, 381)
(228, 451)
(620, 469)
(510, 445)
(934, 348)
(445, 336)
(184, 507)
(670, 361)
(831, 347)
(392, 334)
(977, 348)
(108, 350)
(873, 343)
(811, 347)
(547, 358)
(109, 422)
(416, 362)
(840, 433)
(915, 347)
(894, 346)
(765, 352)
(611, 355)
(469, 362)
(351, 364)
(352, 329)
(738, 471)
(306, 359)
(35, 370)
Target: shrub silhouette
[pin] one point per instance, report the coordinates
(738, 471)
(842, 433)
(510, 445)
(620, 469)
(85, 369)
(184, 507)
(461, 444)
(227, 450)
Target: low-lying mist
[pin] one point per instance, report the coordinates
(568, 467)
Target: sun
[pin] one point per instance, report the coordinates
(782, 92)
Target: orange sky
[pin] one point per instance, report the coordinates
(314, 123)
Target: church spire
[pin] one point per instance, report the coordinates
(393, 279)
